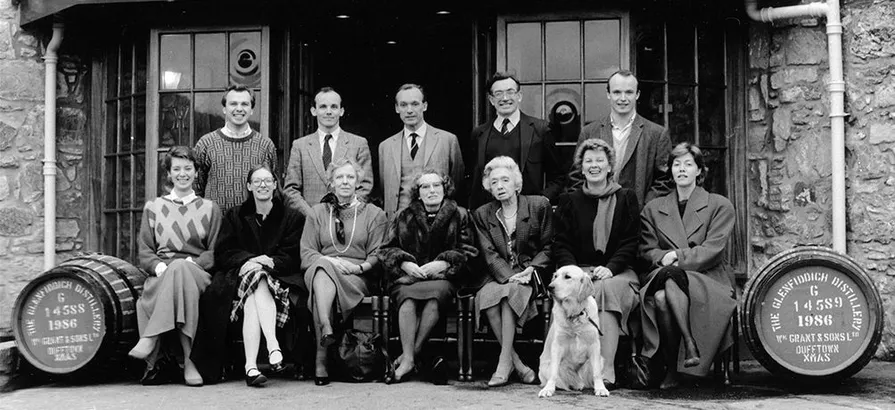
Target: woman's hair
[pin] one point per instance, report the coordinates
(685, 148)
(339, 163)
(276, 193)
(447, 183)
(179, 151)
(502, 162)
(594, 144)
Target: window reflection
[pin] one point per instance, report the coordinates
(563, 43)
(524, 50)
(601, 48)
(175, 53)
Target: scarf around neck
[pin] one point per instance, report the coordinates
(606, 199)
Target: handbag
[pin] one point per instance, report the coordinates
(362, 356)
(539, 290)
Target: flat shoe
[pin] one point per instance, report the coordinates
(257, 380)
(498, 380)
(278, 366)
(321, 380)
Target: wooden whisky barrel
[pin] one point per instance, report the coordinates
(78, 315)
(812, 314)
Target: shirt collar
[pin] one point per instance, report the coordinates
(335, 134)
(185, 200)
(627, 125)
(514, 120)
(226, 131)
(421, 131)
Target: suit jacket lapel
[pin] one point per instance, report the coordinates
(430, 140)
(496, 231)
(394, 152)
(670, 224)
(526, 134)
(606, 132)
(633, 138)
(316, 155)
(523, 221)
(696, 212)
(342, 146)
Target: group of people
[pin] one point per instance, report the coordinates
(231, 244)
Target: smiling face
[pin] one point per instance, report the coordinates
(505, 96)
(344, 182)
(410, 106)
(502, 184)
(238, 108)
(328, 110)
(262, 185)
(684, 170)
(595, 166)
(623, 94)
(182, 174)
(431, 190)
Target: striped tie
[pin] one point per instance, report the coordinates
(414, 147)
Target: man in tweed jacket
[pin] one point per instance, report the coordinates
(306, 180)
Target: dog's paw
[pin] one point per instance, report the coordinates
(601, 392)
(547, 391)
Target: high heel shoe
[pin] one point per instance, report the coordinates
(278, 366)
(498, 380)
(327, 339)
(527, 375)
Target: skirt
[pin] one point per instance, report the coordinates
(172, 301)
(247, 286)
(518, 296)
(711, 307)
(619, 294)
(441, 290)
(350, 289)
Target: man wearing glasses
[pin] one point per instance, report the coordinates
(527, 140)
(417, 147)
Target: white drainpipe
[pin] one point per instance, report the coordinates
(830, 10)
(50, 59)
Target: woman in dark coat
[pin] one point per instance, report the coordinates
(257, 263)
(598, 229)
(429, 245)
(684, 236)
(515, 236)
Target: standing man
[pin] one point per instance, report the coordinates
(641, 146)
(527, 140)
(225, 156)
(306, 181)
(417, 147)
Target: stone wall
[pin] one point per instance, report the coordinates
(789, 149)
(21, 154)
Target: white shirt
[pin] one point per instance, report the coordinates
(321, 135)
(226, 131)
(185, 200)
(514, 119)
(420, 132)
(620, 138)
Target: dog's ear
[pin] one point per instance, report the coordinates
(586, 289)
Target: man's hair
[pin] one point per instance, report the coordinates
(623, 73)
(410, 86)
(500, 76)
(324, 90)
(179, 151)
(240, 89)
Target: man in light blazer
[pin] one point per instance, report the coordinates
(527, 140)
(417, 147)
(306, 181)
(641, 146)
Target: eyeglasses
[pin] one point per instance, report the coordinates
(501, 93)
(265, 181)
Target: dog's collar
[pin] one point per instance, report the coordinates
(589, 319)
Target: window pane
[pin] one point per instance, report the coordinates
(524, 50)
(110, 179)
(602, 55)
(111, 127)
(716, 178)
(711, 54)
(127, 237)
(174, 119)
(138, 219)
(112, 73)
(139, 123)
(567, 99)
(649, 41)
(563, 50)
(174, 54)
(139, 180)
(532, 100)
(711, 117)
(124, 187)
(124, 133)
(651, 104)
(681, 66)
(245, 59)
(681, 113)
(127, 67)
(209, 116)
(140, 58)
(211, 60)
(109, 230)
(596, 104)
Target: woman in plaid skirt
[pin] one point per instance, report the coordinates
(257, 260)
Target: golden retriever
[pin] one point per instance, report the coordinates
(571, 357)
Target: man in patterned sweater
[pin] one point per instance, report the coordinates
(226, 155)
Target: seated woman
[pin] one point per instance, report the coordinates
(256, 263)
(598, 229)
(176, 246)
(684, 236)
(515, 235)
(338, 254)
(429, 244)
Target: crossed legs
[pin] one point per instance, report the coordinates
(673, 308)
(259, 316)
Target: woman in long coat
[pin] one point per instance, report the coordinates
(339, 247)
(515, 237)
(598, 229)
(688, 295)
(425, 259)
(256, 266)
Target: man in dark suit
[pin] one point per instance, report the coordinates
(527, 140)
(641, 146)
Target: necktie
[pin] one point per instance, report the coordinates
(414, 147)
(327, 151)
(505, 127)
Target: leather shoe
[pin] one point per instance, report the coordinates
(154, 376)
(257, 380)
(498, 380)
(278, 366)
(439, 371)
(527, 376)
(321, 380)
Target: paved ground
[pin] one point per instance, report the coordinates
(754, 388)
